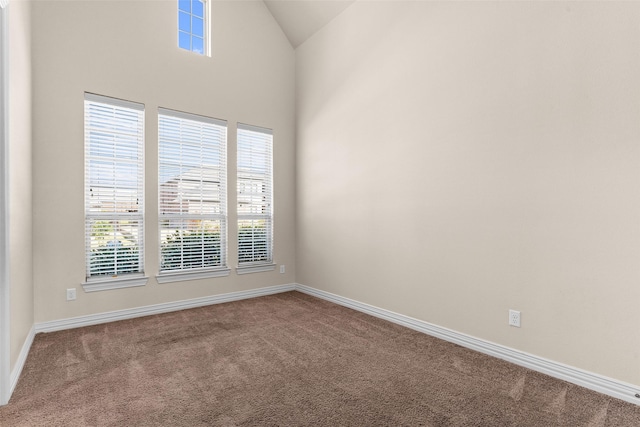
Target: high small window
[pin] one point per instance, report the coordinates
(114, 189)
(193, 26)
(193, 196)
(255, 199)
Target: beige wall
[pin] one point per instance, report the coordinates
(129, 50)
(20, 204)
(457, 159)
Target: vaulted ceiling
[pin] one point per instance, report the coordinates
(300, 19)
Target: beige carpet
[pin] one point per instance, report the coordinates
(285, 360)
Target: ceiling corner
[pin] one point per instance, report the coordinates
(300, 19)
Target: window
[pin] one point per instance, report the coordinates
(193, 189)
(255, 199)
(193, 26)
(114, 192)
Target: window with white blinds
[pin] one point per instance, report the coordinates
(114, 187)
(192, 192)
(255, 198)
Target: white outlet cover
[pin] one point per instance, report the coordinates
(514, 318)
(282, 269)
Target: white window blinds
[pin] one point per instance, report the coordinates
(255, 198)
(192, 181)
(114, 186)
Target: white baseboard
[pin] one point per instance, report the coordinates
(611, 387)
(94, 319)
(620, 390)
(22, 359)
(112, 316)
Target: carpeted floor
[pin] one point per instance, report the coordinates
(285, 360)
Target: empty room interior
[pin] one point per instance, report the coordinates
(466, 171)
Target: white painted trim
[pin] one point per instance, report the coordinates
(115, 283)
(191, 275)
(190, 116)
(252, 128)
(611, 387)
(259, 268)
(22, 359)
(5, 295)
(592, 381)
(123, 103)
(112, 316)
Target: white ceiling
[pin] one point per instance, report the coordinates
(300, 19)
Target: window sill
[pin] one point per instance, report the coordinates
(255, 268)
(95, 285)
(180, 276)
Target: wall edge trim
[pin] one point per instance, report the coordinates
(112, 316)
(596, 382)
(22, 359)
(5, 283)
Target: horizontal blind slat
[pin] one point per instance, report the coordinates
(114, 186)
(254, 194)
(192, 193)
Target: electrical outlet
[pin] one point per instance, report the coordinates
(71, 294)
(514, 318)
(282, 269)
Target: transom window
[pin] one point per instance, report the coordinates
(193, 26)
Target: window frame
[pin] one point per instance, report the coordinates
(186, 124)
(95, 282)
(264, 136)
(206, 17)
